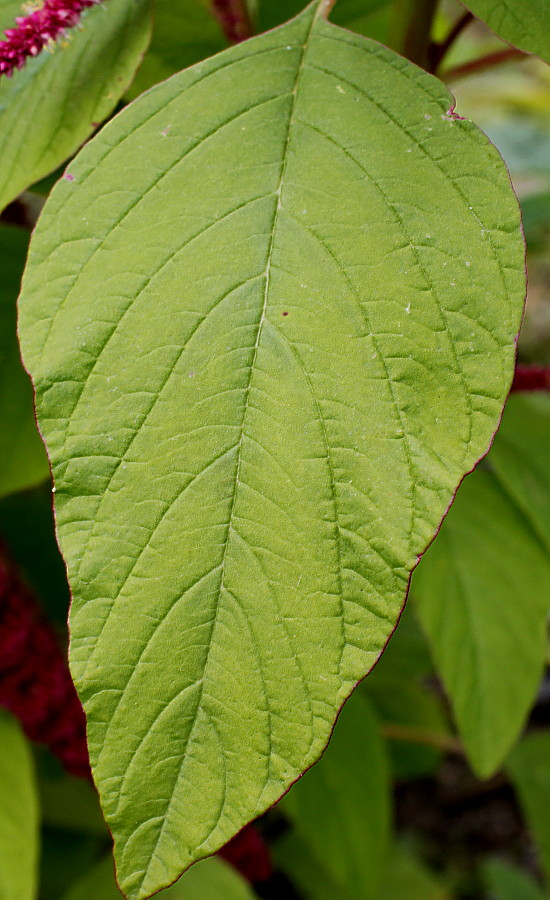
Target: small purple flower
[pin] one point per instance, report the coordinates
(41, 27)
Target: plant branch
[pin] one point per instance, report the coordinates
(437, 52)
(411, 30)
(531, 377)
(446, 742)
(482, 64)
(234, 19)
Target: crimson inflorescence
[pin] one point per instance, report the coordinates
(233, 18)
(33, 32)
(249, 854)
(531, 377)
(35, 683)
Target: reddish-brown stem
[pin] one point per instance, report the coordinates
(234, 19)
(482, 64)
(437, 52)
(531, 377)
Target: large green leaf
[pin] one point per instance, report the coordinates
(529, 769)
(48, 108)
(271, 320)
(341, 807)
(185, 31)
(18, 814)
(483, 595)
(520, 458)
(210, 879)
(523, 23)
(23, 461)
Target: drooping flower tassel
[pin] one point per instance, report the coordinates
(233, 18)
(41, 27)
(35, 683)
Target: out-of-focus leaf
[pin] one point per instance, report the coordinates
(23, 461)
(67, 802)
(482, 594)
(368, 17)
(18, 814)
(27, 527)
(341, 807)
(536, 220)
(529, 769)
(294, 856)
(211, 879)
(520, 458)
(399, 693)
(184, 32)
(50, 106)
(507, 882)
(407, 878)
(523, 23)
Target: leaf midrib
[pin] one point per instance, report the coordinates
(259, 329)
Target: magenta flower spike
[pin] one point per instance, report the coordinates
(33, 32)
(233, 18)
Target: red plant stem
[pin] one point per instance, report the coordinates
(234, 19)
(33, 32)
(531, 378)
(436, 52)
(482, 64)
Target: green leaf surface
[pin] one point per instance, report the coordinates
(258, 419)
(210, 879)
(341, 807)
(23, 461)
(520, 458)
(50, 106)
(523, 23)
(507, 882)
(184, 32)
(482, 595)
(529, 770)
(18, 814)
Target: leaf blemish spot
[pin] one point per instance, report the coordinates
(68, 177)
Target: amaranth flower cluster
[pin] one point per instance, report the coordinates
(33, 32)
(35, 684)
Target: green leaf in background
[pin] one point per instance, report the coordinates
(185, 31)
(407, 878)
(404, 704)
(211, 879)
(27, 527)
(507, 882)
(23, 461)
(18, 814)
(368, 17)
(529, 771)
(50, 106)
(294, 857)
(341, 807)
(482, 595)
(259, 419)
(523, 23)
(520, 459)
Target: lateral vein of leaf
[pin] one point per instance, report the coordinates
(129, 209)
(452, 182)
